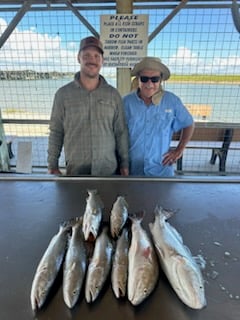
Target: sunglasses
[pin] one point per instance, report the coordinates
(145, 79)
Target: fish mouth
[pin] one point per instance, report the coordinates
(135, 298)
(35, 306)
(192, 295)
(120, 293)
(135, 301)
(37, 303)
(37, 300)
(70, 300)
(91, 237)
(91, 295)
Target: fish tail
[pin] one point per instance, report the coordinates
(66, 225)
(137, 216)
(76, 222)
(162, 212)
(92, 191)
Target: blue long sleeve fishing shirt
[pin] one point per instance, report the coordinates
(150, 132)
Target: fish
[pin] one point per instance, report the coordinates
(118, 216)
(92, 216)
(119, 272)
(75, 264)
(143, 267)
(99, 266)
(49, 266)
(181, 268)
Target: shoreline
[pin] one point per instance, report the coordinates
(204, 82)
(170, 80)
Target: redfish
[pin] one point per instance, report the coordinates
(181, 268)
(143, 268)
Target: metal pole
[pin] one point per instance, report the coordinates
(21, 12)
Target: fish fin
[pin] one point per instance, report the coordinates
(137, 216)
(160, 251)
(92, 191)
(167, 213)
(173, 252)
(178, 236)
(75, 221)
(65, 226)
(200, 261)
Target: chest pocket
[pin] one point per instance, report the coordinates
(103, 110)
(164, 120)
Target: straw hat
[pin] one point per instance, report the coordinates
(152, 63)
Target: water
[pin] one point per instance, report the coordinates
(36, 96)
(224, 98)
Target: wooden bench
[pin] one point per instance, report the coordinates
(212, 133)
(200, 111)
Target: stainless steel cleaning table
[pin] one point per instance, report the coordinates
(208, 218)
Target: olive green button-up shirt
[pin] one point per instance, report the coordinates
(91, 127)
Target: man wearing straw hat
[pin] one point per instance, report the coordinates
(153, 115)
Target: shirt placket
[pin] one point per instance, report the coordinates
(147, 136)
(92, 123)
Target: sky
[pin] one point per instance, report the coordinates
(196, 41)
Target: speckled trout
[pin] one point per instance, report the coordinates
(181, 268)
(119, 273)
(74, 266)
(118, 216)
(92, 216)
(143, 268)
(49, 267)
(99, 266)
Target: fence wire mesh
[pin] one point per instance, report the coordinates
(199, 45)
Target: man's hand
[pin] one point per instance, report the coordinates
(171, 157)
(56, 172)
(124, 171)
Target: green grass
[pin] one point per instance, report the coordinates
(205, 78)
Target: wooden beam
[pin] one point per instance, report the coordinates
(124, 74)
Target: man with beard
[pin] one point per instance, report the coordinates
(88, 121)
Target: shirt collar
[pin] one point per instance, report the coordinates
(156, 98)
(78, 84)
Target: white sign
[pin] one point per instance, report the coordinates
(124, 38)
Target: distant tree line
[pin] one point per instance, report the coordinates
(32, 75)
